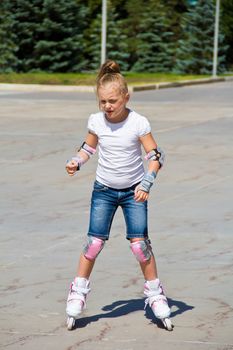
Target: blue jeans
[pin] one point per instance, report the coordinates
(104, 203)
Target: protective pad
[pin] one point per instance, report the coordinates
(93, 247)
(156, 154)
(87, 149)
(79, 160)
(147, 181)
(142, 250)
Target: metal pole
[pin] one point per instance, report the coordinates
(104, 31)
(216, 32)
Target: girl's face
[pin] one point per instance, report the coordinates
(113, 102)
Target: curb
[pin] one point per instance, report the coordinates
(180, 83)
(86, 88)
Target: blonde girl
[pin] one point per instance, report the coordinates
(121, 181)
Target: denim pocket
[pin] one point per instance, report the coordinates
(98, 187)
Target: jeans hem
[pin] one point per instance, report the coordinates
(136, 236)
(98, 236)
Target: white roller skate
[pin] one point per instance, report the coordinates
(158, 302)
(76, 300)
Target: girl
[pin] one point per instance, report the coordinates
(120, 181)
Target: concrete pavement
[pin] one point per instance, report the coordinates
(44, 217)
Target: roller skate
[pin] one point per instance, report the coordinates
(158, 302)
(76, 300)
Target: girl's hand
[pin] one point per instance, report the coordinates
(140, 196)
(71, 167)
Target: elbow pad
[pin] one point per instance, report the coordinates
(156, 154)
(90, 151)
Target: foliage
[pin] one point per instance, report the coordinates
(26, 16)
(48, 34)
(131, 24)
(8, 48)
(226, 23)
(156, 35)
(155, 41)
(61, 44)
(195, 51)
(116, 41)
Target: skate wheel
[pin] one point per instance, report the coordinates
(70, 323)
(168, 324)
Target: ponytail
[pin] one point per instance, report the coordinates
(110, 73)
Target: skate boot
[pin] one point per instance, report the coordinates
(76, 300)
(158, 302)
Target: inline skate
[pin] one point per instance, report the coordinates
(76, 301)
(158, 302)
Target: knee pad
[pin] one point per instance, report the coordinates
(93, 247)
(142, 250)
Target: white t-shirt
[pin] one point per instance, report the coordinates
(120, 162)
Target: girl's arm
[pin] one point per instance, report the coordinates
(142, 190)
(83, 155)
(148, 143)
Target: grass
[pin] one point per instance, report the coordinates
(89, 78)
(48, 78)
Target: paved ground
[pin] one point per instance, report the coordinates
(44, 216)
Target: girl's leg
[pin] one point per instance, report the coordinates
(85, 267)
(80, 287)
(149, 268)
(152, 287)
(103, 208)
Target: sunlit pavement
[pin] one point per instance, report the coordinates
(44, 218)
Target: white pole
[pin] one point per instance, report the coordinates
(216, 31)
(104, 31)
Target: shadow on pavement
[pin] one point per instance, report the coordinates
(125, 307)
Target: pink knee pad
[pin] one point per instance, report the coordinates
(93, 247)
(142, 250)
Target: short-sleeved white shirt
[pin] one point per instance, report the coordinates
(120, 162)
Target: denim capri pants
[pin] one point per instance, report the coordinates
(104, 203)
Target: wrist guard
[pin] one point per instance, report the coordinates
(79, 160)
(147, 181)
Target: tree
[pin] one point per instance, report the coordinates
(175, 9)
(61, 44)
(131, 27)
(195, 52)
(8, 48)
(26, 17)
(116, 40)
(226, 23)
(155, 48)
(48, 34)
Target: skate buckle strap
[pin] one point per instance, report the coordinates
(154, 298)
(79, 290)
(76, 296)
(78, 293)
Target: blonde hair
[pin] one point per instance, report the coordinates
(110, 73)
